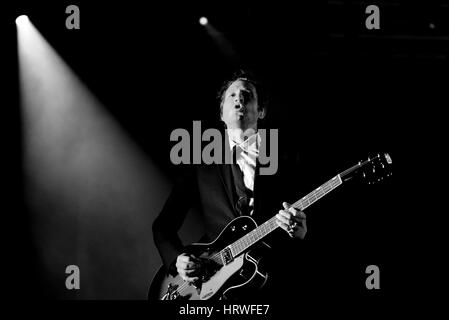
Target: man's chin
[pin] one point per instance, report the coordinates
(240, 123)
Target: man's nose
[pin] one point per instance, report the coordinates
(239, 98)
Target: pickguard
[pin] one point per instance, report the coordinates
(214, 284)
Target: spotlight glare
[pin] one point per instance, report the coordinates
(203, 21)
(21, 19)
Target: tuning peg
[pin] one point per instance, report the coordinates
(388, 158)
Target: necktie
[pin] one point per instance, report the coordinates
(243, 193)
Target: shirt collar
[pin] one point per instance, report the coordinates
(251, 139)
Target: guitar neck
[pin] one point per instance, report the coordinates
(270, 225)
(382, 161)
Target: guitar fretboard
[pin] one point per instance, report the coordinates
(270, 225)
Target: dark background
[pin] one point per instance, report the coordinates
(338, 93)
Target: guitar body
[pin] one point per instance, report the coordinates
(231, 278)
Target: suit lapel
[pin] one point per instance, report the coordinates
(225, 173)
(262, 187)
(257, 186)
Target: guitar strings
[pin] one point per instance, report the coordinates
(359, 165)
(183, 284)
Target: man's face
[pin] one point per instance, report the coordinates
(240, 106)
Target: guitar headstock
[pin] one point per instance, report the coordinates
(376, 168)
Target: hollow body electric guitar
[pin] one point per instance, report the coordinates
(231, 262)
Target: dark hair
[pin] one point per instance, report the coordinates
(246, 76)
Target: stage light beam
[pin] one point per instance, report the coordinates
(203, 21)
(21, 20)
(91, 192)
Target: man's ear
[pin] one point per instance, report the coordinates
(262, 113)
(221, 113)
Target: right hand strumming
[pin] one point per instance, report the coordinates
(188, 267)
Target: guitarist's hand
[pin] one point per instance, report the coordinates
(292, 220)
(188, 267)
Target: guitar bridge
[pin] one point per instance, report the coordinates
(226, 255)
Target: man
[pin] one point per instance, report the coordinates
(224, 192)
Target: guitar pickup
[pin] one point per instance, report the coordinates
(226, 255)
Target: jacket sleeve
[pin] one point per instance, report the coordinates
(166, 226)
